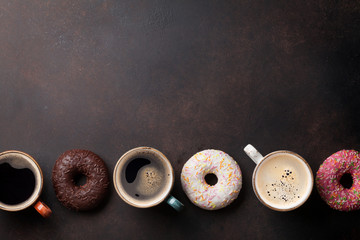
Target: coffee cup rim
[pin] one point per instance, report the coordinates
(308, 192)
(116, 177)
(37, 190)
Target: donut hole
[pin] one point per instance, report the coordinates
(346, 180)
(80, 179)
(211, 179)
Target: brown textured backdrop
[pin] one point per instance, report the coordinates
(180, 76)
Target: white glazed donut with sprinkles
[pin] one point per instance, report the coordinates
(203, 195)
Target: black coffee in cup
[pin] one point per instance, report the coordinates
(145, 178)
(16, 185)
(21, 182)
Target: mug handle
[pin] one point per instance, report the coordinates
(43, 209)
(253, 153)
(176, 204)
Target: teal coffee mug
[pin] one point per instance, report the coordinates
(143, 177)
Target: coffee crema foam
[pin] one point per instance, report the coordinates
(149, 181)
(283, 181)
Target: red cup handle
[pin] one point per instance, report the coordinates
(43, 209)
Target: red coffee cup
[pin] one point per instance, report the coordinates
(21, 183)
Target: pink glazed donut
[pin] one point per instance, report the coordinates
(203, 195)
(328, 180)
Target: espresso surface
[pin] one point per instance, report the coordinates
(16, 185)
(282, 181)
(132, 169)
(180, 76)
(150, 179)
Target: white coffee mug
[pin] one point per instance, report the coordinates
(282, 180)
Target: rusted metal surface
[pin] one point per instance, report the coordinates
(179, 76)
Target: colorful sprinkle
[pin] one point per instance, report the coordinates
(328, 180)
(227, 171)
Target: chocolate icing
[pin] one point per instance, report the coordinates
(72, 163)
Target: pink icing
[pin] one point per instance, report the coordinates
(328, 180)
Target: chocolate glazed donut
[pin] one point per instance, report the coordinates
(72, 164)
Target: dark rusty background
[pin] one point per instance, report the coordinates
(181, 76)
